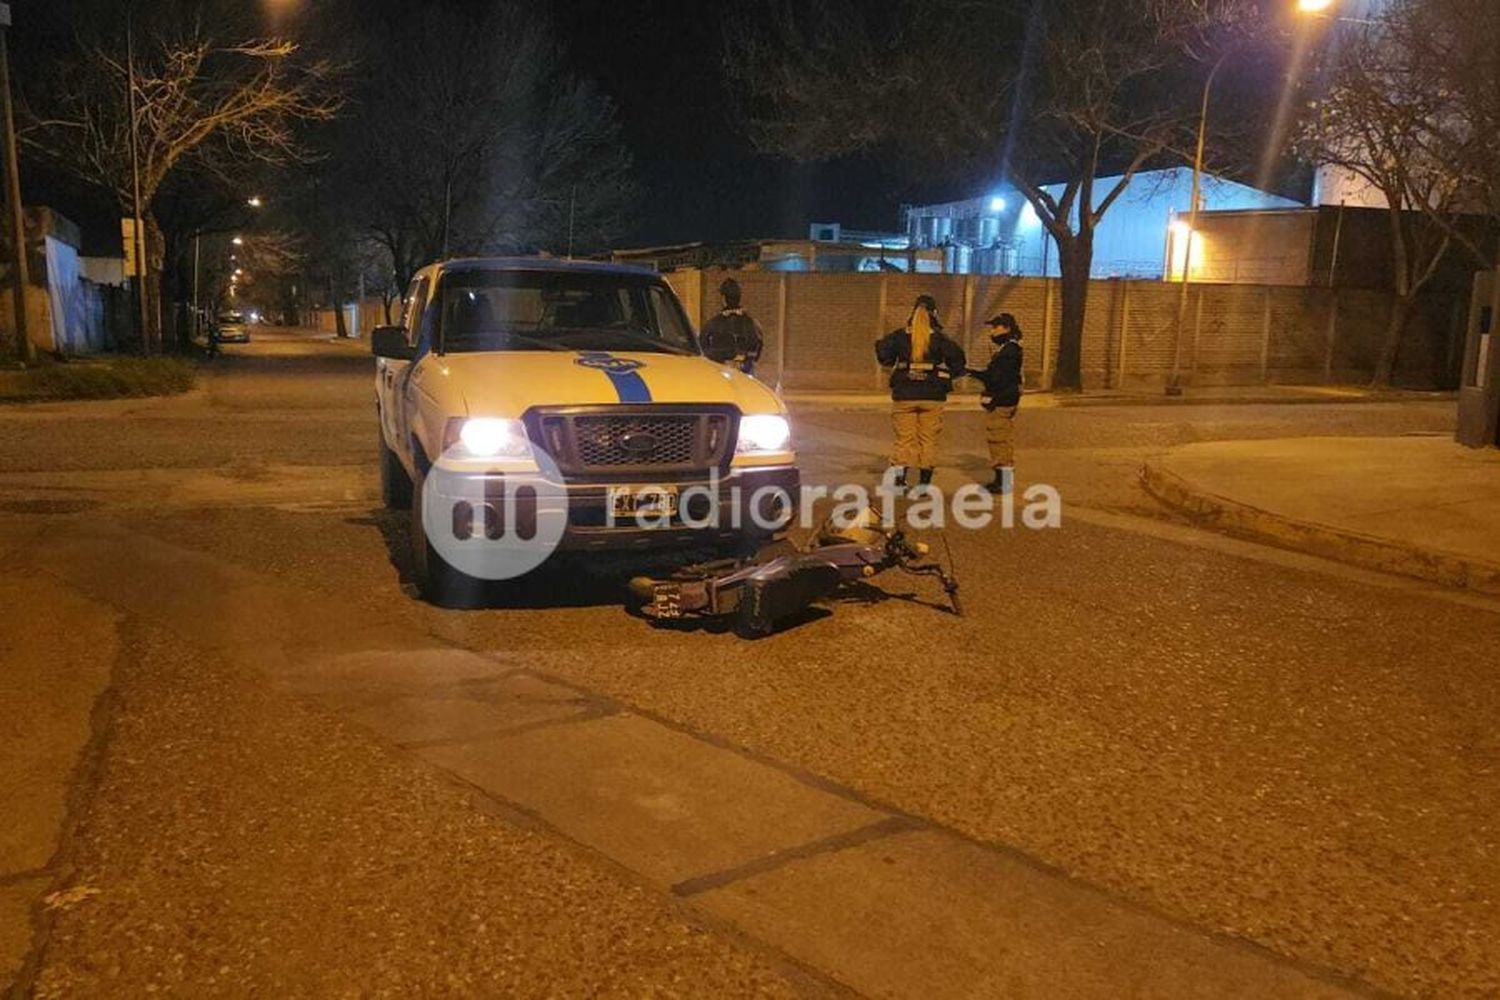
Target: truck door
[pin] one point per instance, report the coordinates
(392, 373)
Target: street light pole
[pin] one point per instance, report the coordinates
(197, 301)
(142, 266)
(18, 276)
(1174, 382)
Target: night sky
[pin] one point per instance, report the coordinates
(660, 61)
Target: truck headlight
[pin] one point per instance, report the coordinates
(764, 433)
(487, 437)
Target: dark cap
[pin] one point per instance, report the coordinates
(1004, 319)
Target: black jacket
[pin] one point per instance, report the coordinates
(1001, 378)
(928, 378)
(733, 334)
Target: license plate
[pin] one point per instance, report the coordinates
(653, 502)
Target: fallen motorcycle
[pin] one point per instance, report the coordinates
(783, 580)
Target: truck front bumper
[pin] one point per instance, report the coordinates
(753, 502)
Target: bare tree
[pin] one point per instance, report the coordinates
(1383, 120)
(1034, 93)
(470, 138)
(203, 99)
(1455, 46)
(259, 261)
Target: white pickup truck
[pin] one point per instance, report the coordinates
(532, 405)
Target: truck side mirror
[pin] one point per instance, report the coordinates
(390, 342)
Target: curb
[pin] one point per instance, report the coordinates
(1245, 400)
(1366, 551)
(1042, 399)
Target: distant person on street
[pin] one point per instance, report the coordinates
(923, 362)
(733, 337)
(1001, 379)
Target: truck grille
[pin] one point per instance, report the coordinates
(624, 441)
(634, 442)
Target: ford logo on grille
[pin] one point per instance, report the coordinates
(608, 364)
(639, 443)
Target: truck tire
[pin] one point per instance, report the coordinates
(395, 484)
(437, 582)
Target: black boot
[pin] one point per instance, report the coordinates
(1001, 483)
(900, 481)
(926, 477)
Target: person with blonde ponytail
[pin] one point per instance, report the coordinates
(924, 361)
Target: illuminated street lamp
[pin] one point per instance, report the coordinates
(1324, 9)
(238, 241)
(254, 201)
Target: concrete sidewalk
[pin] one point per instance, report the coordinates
(791, 881)
(1229, 395)
(1420, 506)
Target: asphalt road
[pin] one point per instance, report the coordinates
(1271, 765)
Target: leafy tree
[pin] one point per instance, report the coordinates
(1034, 92)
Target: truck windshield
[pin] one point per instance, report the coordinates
(558, 310)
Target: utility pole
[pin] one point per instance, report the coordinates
(18, 276)
(1174, 380)
(572, 210)
(197, 301)
(142, 266)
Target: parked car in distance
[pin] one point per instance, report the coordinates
(230, 328)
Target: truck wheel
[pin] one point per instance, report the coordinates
(395, 484)
(437, 581)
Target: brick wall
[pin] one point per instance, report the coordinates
(1231, 334)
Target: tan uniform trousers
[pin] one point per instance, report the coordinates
(1000, 435)
(918, 424)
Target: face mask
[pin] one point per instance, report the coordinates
(1000, 338)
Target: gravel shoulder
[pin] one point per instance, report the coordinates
(241, 843)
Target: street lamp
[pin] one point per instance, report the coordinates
(1323, 9)
(254, 201)
(238, 241)
(1174, 382)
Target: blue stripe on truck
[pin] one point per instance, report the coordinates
(621, 372)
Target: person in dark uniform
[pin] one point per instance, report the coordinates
(1001, 379)
(733, 336)
(924, 362)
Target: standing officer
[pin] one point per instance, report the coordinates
(923, 362)
(733, 337)
(1001, 379)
